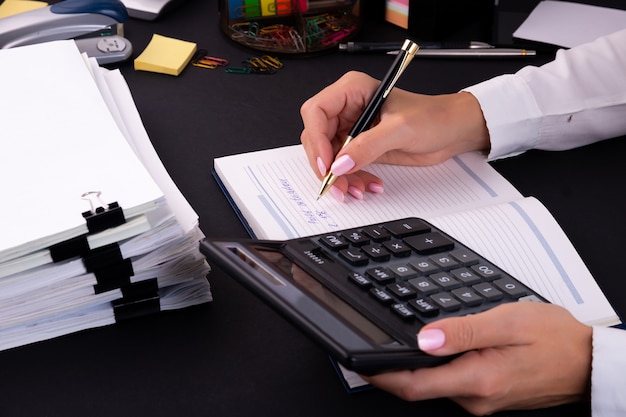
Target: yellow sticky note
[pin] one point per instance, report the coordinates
(165, 55)
(11, 7)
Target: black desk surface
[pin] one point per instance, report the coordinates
(236, 357)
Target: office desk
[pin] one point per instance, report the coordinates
(236, 357)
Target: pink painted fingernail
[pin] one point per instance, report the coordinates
(355, 192)
(338, 194)
(375, 187)
(431, 339)
(342, 165)
(321, 166)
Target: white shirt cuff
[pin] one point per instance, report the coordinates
(512, 115)
(608, 373)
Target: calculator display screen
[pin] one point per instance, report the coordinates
(314, 289)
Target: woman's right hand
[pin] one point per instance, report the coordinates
(412, 129)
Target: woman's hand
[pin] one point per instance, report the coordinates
(412, 129)
(520, 355)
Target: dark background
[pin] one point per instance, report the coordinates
(235, 356)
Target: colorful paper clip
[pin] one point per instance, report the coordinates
(246, 28)
(258, 66)
(335, 37)
(272, 61)
(265, 64)
(238, 70)
(202, 60)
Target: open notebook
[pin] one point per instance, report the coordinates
(275, 193)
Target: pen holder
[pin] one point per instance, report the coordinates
(289, 26)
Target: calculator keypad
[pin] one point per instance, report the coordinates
(412, 269)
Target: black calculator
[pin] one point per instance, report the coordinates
(364, 293)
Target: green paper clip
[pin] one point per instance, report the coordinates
(239, 70)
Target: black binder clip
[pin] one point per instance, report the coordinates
(138, 299)
(101, 216)
(109, 266)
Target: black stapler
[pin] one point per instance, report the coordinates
(95, 25)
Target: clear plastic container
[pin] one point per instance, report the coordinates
(289, 26)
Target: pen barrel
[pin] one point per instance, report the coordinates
(371, 110)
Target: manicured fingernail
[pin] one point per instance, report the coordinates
(321, 166)
(430, 339)
(342, 165)
(375, 187)
(336, 192)
(355, 192)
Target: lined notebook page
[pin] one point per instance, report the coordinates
(276, 192)
(523, 238)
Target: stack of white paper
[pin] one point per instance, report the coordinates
(73, 151)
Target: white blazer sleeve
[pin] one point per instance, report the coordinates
(608, 373)
(577, 99)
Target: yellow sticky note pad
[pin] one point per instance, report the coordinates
(165, 55)
(12, 7)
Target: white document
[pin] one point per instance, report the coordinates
(58, 140)
(67, 128)
(122, 106)
(569, 24)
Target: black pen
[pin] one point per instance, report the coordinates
(384, 47)
(405, 55)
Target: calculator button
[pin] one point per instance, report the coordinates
(376, 252)
(424, 286)
(446, 262)
(486, 271)
(377, 233)
(397, 248)
(403, 311)
(445, 280)
(429, 243)
(381, 275)
(464, 256)
(465, 276)
(488, 291)
(354, 257)
(531, 299)
(355, 237)
(333, 242)
(360, 280)
(424, 307)
(446, 301)
(424, 265)
(381, 295)
(403, 271)
(406, 227)
(511, 288)
(467, 296)
(400, 290)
